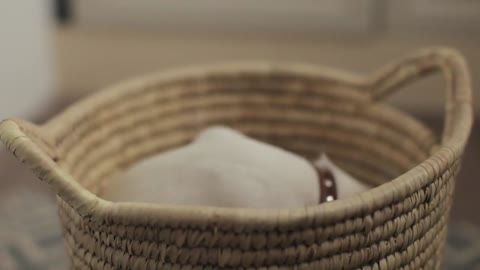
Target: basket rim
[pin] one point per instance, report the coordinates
(87, 204)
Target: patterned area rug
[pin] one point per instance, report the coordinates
(30, 233)
(31, 239)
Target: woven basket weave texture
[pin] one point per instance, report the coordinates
(400, 224)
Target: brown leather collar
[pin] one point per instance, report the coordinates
(327, 185)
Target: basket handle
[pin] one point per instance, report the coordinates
(452, 65)
(29, 144)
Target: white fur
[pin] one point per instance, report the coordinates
(347, 185)
(222, 167)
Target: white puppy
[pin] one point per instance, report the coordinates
(346, 185)
(222, 167)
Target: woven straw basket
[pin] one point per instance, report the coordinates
(400, 224)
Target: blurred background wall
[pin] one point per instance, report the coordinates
(26, 67)
(107, 41)
(97, 43)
